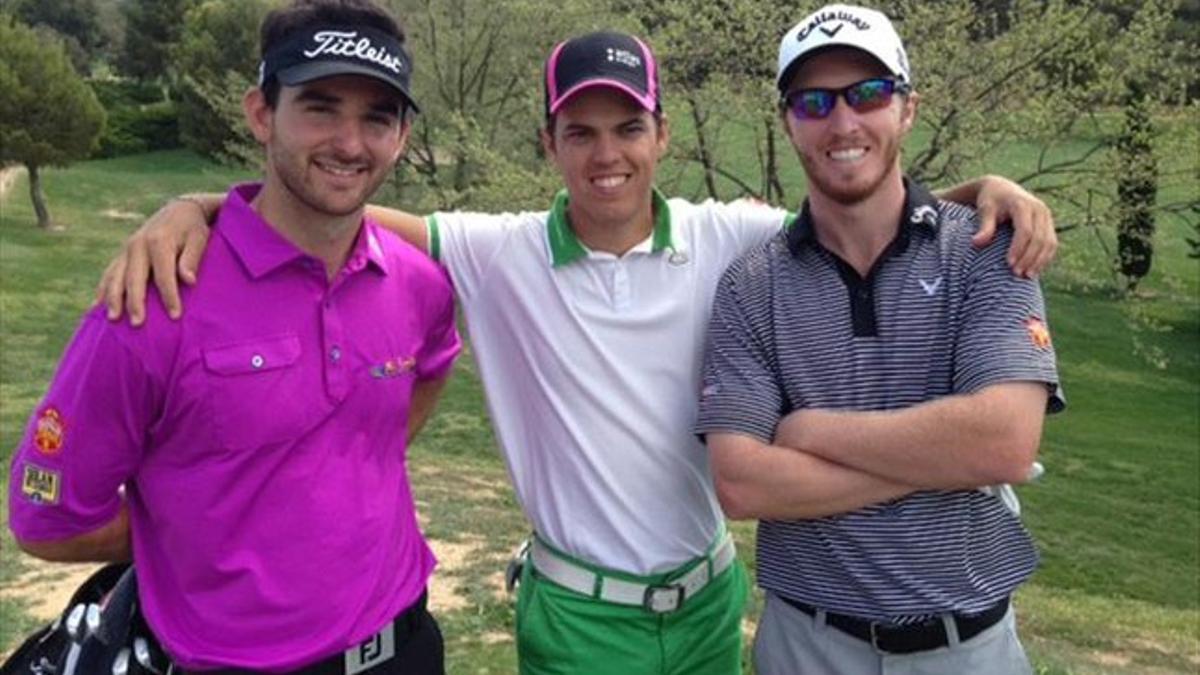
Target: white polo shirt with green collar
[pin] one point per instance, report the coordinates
(591, 366)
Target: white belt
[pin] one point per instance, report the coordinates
(660, 598)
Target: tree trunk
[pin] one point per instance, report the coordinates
(774, 190)
(38, 196)
(698, 119)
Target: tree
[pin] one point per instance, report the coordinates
(1137, 187)
(152, 30)
(77, 21)
(477, 75)
(48, 114)
(718, 58)
(217, 57)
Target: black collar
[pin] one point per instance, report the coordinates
(921, 214)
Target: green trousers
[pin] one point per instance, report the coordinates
(562, 632)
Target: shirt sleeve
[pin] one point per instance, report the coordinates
(740, 391)
(1003, 334)
(738, 227)
(85, 439)
(466, 244)
(442, 343)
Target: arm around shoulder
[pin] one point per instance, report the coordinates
(409, 227)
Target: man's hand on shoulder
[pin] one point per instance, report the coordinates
(1034, 239)
(169, 245)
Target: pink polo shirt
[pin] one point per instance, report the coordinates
(261, 443)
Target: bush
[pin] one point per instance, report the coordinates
(140, 128)
(124, 93)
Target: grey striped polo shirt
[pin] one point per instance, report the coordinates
(794, 326)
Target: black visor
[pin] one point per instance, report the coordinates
(339, 50)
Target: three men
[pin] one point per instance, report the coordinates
(867, 369)
(588, 324)
(251, 457)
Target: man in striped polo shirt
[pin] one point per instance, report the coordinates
(867, 370)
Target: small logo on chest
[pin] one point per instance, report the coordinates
(931, 287)
(393, 368)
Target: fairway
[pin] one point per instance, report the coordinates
(1117, 516)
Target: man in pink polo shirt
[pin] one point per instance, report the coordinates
(251, 458)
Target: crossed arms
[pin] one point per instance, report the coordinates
(826, 462)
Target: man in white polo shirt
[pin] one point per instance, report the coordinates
(588, 321)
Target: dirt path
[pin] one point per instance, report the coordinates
(8, 177)
(45, 588)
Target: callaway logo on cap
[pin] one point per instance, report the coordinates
(842, 26)
(604, 59)
(339, 50)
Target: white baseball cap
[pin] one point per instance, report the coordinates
(846, 26)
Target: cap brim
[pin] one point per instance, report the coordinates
(316, 70)
(644, 100)
(785, 78)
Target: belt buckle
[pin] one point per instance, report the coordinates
(512, 573)
(874, 630)
(663, 599)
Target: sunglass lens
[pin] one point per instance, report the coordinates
(813, 104)
(869, 94)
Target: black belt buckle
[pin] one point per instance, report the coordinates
(907, 639)
(663, 599)
(516, 564)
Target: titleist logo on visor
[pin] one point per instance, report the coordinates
(348, 43)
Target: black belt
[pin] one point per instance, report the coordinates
(402, 626)
(908, 638)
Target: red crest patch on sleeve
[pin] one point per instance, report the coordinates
(1039, 334)
(50, 431)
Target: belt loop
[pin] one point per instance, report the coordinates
(951, 628)
(598, 587)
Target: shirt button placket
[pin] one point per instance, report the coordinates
(621, 295)
(336, 378)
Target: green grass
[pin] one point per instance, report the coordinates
(1117, 516)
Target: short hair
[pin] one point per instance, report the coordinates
(552, 119)
(300, 15)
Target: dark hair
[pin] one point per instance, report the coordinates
(300, 15)
(552, 118)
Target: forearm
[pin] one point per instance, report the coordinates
(955, 442)
(424, 399)
(755, 480)
(209, 203)
(964, 193)
(409, 227)
(108, 543)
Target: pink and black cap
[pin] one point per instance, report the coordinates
(326, 51)
(603, 59)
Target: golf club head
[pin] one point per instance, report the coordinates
(145, 656)
(91, 619)
(75, 622)
(120, 664)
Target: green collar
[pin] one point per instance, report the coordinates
(565, 247)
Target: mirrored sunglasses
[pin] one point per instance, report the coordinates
(864, 96)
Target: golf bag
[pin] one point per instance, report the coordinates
(96, 634)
